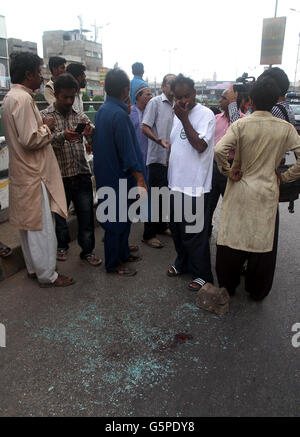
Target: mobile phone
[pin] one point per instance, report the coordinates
(80, 128)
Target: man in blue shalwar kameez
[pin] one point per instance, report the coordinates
(117, 155)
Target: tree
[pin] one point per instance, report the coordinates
(41, 101)
(86, 99)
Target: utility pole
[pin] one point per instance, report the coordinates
(80, 25)
(275, 16)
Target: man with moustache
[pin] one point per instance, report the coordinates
(190, 174)
(157, 125)
(76, 174)
(117, 159)
(57, 66)
(143, 95)
(35, 185)
(78, 72)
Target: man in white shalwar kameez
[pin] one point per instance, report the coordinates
(35, 184)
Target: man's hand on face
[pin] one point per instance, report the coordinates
(235, 174)
(89, 130)
(71, 135)
(181, 112)
(50, 122)
(164, 143)
(231, 95)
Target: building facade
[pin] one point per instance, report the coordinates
(75, 47)
(17, 45)
(4, 63)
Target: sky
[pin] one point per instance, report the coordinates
(193, 37)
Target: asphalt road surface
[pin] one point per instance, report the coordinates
(111, 346)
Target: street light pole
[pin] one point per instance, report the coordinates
(170, 51)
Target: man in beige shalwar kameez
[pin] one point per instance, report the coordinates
(35, 184)
(249, 219)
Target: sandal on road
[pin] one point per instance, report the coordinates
(92, 259)
(62, 255)
(196, 284)
(61, 281)
(124, 271)
(172, 272)
(133, 258)
(133, 248)
(154, 242)
(5, 251)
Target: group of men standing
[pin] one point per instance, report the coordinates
(151, 142)
(230, 154)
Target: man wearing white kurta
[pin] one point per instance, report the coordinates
(249, 218)
(190, 173)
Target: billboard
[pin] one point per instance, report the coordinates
(272, 40)
(102, 72)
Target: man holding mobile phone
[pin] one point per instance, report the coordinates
(71, 126)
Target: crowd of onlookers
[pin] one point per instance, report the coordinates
(168, 141)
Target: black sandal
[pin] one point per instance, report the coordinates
(5, 251)
(174, 273)
(133, 258)
(200, 282)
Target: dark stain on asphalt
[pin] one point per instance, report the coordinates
(178, 339)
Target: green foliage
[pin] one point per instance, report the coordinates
(41, 101)
(86, 99)
(99, 99)
(39, 97)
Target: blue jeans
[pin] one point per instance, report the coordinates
(79, 190)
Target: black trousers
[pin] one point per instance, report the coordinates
(158, 177)
(260, 268)
(79, 190)
(219, 182)
(193, 250)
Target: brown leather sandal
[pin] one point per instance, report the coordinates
(124, 271)
(133, 248)
(93, 260)
(61, 281)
